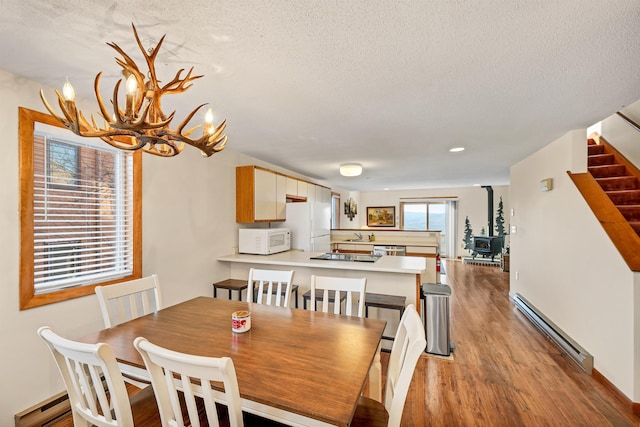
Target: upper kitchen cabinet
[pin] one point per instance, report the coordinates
(260, 195)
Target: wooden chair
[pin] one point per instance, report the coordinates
(192, 375)
(271, 284)
(126, 301)
(338, 285)
(408, 346)
(96, 389)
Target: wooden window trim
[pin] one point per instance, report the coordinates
(26, 121)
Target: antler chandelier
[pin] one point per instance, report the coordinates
(142, 125)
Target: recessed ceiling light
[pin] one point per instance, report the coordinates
(456, 149)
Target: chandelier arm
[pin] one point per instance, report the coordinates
(179, 85)
(149, 58)
(219, 146)
(188, 118)
(50, 109)
(101, 106)
(122, 146)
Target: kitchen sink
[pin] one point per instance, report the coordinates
(347, 257)
(354, 240)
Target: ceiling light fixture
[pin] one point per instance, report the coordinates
(142, 125)
(350, 169)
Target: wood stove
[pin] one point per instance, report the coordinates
(486, 246)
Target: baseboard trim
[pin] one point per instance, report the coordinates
(633, 406)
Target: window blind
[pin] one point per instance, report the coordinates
(83, 210)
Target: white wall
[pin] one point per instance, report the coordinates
(188, 221)
(472, 202)
(564, 264)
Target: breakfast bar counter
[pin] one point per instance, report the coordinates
(293, 258)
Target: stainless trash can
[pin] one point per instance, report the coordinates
(436, 318)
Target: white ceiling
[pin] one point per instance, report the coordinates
(308, 85)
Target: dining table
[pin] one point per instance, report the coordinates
(298, 367)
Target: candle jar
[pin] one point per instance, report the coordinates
(240, 321)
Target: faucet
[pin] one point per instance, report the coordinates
(358, 235)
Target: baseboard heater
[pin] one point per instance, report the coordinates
(562, 340)
(45, 413)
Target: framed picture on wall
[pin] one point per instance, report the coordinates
(381, 216)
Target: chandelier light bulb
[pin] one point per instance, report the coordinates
(132, 84)
(67, 91)
(208, 122)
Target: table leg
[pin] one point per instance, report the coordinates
(375, 377)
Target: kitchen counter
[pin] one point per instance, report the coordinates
(389, 264)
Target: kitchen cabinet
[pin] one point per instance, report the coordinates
(260, 195)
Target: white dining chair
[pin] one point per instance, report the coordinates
(322, 286)
(126, 301)
(270, 287)
(96, 389)
(174, 372)
(408, 346)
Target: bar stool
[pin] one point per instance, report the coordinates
(388, 302)
(230, 285)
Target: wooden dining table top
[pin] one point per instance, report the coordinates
(303, 362)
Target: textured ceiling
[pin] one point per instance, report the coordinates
(308, 85)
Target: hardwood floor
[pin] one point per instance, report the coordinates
(504, 371)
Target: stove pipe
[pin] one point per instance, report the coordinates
(490, 208)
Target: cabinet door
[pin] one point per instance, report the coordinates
(311, 192)
(265, 194)
(292, 186)
(281, 197)
(302, 189)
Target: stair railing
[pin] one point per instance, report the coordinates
(629, 121)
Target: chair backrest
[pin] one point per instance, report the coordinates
(350, 286)
(127, 300)
(274, 286)
(97, 393)
(192, 375)
(408, 346)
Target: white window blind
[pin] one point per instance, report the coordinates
(83, 213)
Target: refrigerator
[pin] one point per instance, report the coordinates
(310, 225)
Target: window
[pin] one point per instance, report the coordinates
(62, 166)
(423, 215)
(79, 213)
(436, 214)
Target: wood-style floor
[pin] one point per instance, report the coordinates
(504, 372)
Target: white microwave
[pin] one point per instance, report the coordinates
(264, 241)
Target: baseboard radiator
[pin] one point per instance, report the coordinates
(45, 413)
(562, 340)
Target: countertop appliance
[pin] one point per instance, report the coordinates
(264, 241)
(393, 250)
(310, 225)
